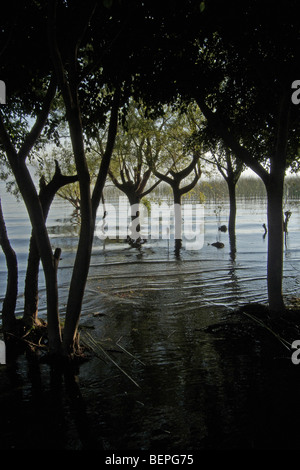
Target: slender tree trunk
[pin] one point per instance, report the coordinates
(275, 189)
(88, 211)
(35, 212)
(84, 249)
(274, 185)
(275, 245)
(177, 194)
(177, 219)
(134, 201)
(46, 196)
(10, 300)
(232, 207)
(17, 161)
(31, 297)
(232, 217)
(67, 77)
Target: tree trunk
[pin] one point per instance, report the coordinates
(134, 201)
(46, 196)
(88, 211)
(177, 220)
(84, 249)
(17, 161)
(178, 193)
(275, 245)
(274, 185)
(275, 188)
(36, 215)
(10, 300)
(232, 217)
(31, 297)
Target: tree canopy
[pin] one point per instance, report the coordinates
(83, 63)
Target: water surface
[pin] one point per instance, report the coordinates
(185, 382)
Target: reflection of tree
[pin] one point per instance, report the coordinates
(67, 225)
(60, 405)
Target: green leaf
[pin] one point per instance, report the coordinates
(202, 7)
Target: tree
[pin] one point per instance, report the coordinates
(10, 299)
(32, 89)
(179, 160)
(138, 145)
(32, 94)
(46, 196)
(253, 99)
(67, 61)
(238, 62)
(17, 161)
(231, 172)
(229, 167)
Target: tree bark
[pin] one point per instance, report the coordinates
(275, 188)
(40, 233)
(232, 206)
(17, 161)
(177, 219)
(10, 300)
(46, 196)
(88, 211)
(178, 192)
(274, 185)
(134, 201)
(84, 249)
(232, 217)
(275, 244)
(31, 294)
(35, 211)
(69, 81)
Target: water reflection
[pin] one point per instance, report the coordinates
(206, 379)
(200, 389)
(43, 408)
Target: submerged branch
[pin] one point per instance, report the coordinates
(95, 345)
(284, 342)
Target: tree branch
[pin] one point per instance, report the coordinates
(56, 56)
(215, 121)
(180, 175)
(163, 177)
(151, 188)
(7, 143)
(190, 186)
(105, 162)
(40, 122)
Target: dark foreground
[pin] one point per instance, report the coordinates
(230, 385)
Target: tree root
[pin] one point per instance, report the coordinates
(33, 339)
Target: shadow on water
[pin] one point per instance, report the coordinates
(173, 364)
(228, 385)
(41, 408)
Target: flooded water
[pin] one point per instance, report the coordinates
(166, 375)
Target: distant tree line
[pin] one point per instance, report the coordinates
(248, 187)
